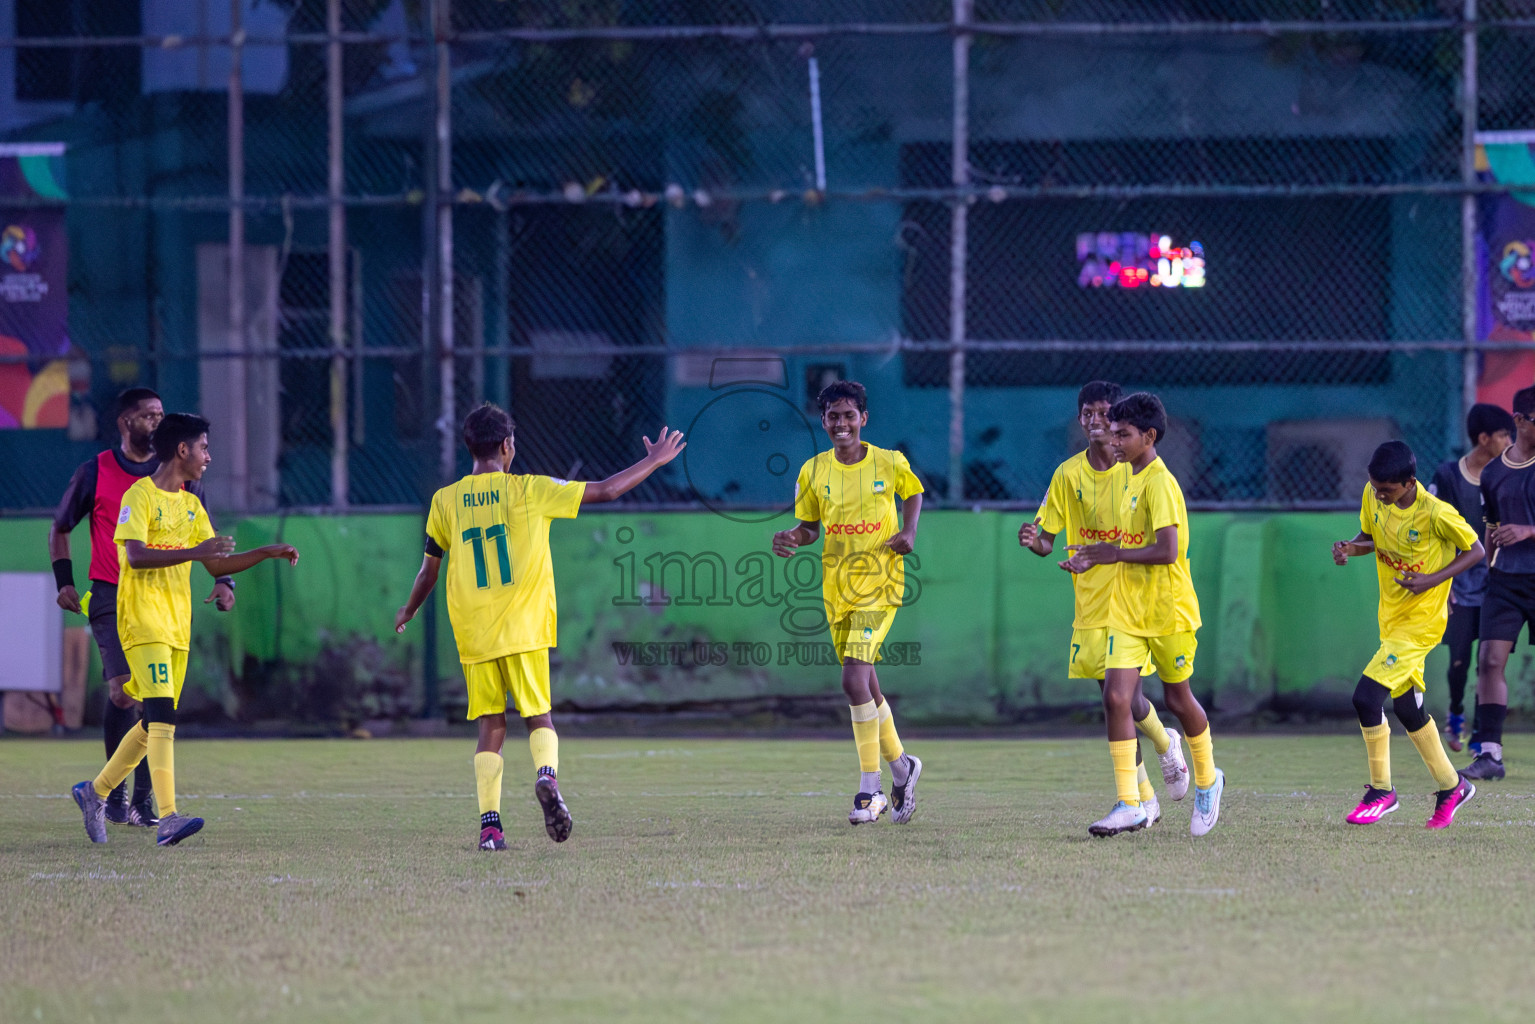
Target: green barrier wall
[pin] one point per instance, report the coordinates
(672, 609)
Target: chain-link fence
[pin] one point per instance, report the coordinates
(334, 226)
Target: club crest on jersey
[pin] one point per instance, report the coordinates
(1134, 498)
(191, 515)
(1412, 536)
(1390, 660)
(1180, 661)
(124, 515)
(868, 633)
(879, 487)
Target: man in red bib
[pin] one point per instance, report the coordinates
(95, 492)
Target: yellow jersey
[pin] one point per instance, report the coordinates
(154, 606)
(1423, 538)
(1082, 507)
(855, 506)
(495, 529)
(1153, 600)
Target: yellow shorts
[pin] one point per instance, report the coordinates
(1171, 656)
(1398, 665)
(155, 670)
(522, 677)
(859, 635)
(1085, 660)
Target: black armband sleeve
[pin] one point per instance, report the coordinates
(432, 548)
(63, 572)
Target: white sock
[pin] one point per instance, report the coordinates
(899, 769)
(1493, 750)
(868, 782)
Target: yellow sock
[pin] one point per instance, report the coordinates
(1431, 750)
(545, 745)
(487, 780)
(1152, 728)
(124, 759)
(1202, 753)
(889, 743)
(1377, 750)
(162, 766)
(1122, 753)
(866, 735)
(1144, 783)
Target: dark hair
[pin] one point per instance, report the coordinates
(1098, 391)
(177, 429)
(485, 428)
(840, 389)
(131, 399)
(1393, 463)
(1487, 419)
(1524, 402)
(1143, 411)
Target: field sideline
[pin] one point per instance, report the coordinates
(719, 880)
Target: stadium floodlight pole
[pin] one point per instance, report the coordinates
(1468, 262)
(237, 444)
(958, 248)
(442, 9)
(336, 250)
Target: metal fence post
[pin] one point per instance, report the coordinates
(238, 443)
(335, 179)
(444, 200)
(1468, 267)
(958, 248)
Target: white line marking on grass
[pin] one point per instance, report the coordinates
(290, 880)
(699, 883)
(95, 876)
(1159, 890)
(626, 754)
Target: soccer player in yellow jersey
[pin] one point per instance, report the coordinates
(1420, 543)
(852, 489)
(1083, 503)
(1153, 615)
(501, 602)
(161, 530)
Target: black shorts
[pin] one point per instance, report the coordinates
(1510, 603)
(104, 628)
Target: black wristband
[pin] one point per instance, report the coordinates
(63, 572)
(228, 581)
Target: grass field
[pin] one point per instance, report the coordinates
(714, 880)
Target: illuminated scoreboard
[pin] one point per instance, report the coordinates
(1128, 259)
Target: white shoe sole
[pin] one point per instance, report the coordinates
(908, 794)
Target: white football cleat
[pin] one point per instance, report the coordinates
(1123, 818)
(1175, 770)
(1153, 809)
(867, 807)
(1207, 805)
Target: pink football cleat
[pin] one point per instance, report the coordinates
(1377, 803)
(1448, 801)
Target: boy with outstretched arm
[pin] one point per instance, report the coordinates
(1420, 543)
(1083, 503)
(501, 598)
(852, 489)
(1153, 616)
(162, 528)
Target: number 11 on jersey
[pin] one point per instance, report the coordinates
(475, 539)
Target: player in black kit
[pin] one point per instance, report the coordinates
(1508, 501)
(1459, 482)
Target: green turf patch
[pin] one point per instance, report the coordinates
(707, 880)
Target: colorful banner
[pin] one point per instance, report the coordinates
(1506, 264)
(34, 288)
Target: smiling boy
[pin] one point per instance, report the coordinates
(853, 490)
